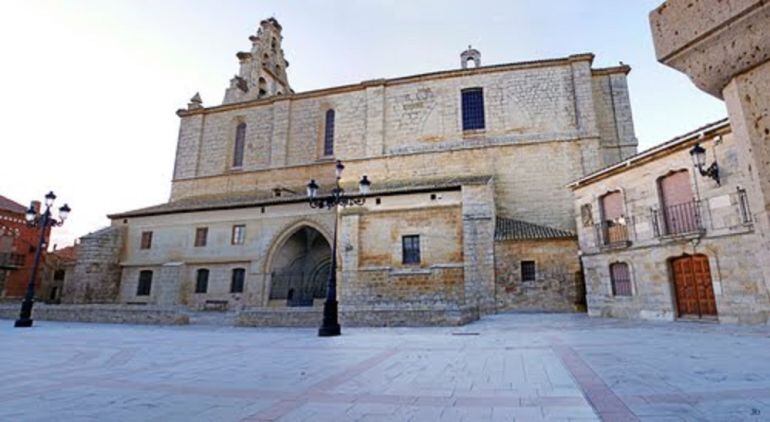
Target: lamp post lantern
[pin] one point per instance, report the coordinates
(336, 199)
(698, 155)
(44, 221)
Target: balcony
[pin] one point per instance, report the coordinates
(612, 234)
(716, 215)
(678, 220)
(11, 261)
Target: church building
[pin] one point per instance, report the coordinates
(469, 211)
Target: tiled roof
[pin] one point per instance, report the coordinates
(68, 253)
(261, 197)
(10, 205)
(510, 229)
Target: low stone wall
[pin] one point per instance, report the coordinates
(311, 317)
(117, 314)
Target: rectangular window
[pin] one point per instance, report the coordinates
(239, 234)
(620, 278)
(411, 249)
(146, 240)
(473, 108)
(236, 283)
(145, 283)
(202, 281)
(528, 272)
(201, 233)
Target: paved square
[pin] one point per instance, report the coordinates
(507, 367)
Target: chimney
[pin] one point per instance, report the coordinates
(36, 206)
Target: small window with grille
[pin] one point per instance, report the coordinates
(621, 279)
(473, 108)
(411, 249)
(528, 271)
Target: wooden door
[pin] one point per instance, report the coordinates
(692, 283)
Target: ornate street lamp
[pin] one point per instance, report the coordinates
(698, 155)
(44, 221)
(330, 326)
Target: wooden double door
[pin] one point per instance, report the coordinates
(694, 290)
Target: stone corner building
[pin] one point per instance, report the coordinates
(469, 212)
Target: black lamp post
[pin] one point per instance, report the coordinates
(698, 154)
(44, 221)
(330, 326)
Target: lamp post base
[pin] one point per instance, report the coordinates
(330, 327)
(23, 322)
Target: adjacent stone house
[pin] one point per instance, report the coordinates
(462, 219)
(661, 240)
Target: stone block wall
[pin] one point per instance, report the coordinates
(97, 273)
(557, 286)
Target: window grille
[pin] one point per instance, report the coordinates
(411, 249)
(621, 279)
(473, 108)
(528, 271)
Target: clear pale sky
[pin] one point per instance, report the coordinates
(88, 89)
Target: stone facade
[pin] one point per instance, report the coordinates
(241, 167)
(96, 275)
(647, 236)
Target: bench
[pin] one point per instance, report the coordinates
(215, 305)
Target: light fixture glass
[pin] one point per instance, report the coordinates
(698, 154)
(364, 185)
(312, 189)
(64, 212)
(30, 214)
(49, 198)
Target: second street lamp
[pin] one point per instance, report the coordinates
(44, 221)
(337, 198)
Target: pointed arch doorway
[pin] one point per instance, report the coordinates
(693, 287)
(300, 268)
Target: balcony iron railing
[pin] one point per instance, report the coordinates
(679, 219)
(612, 234)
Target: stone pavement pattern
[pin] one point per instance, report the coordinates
(506, 367)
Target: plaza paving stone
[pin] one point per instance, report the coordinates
(522, 367)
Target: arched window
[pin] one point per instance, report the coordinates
(240, 139)
(236, 283)
(202, 281)
(329, 133)
(620, 278)
(144, 286)
(262, 84)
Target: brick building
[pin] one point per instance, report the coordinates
(462, 220)
(18, 243)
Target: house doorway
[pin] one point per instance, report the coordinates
(693, 287)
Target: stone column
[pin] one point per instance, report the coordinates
(478, 212)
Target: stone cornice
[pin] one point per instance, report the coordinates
(454, 73)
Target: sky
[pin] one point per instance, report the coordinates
(89, 88)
